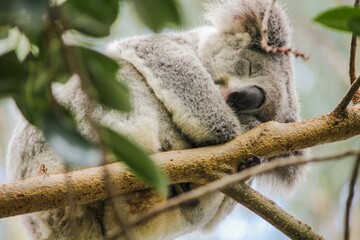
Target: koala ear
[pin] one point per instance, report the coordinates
(239, 16)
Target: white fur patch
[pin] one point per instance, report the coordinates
(229, 15)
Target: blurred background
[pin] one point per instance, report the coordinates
(321, 81)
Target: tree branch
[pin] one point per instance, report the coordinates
(350, 95)
(89, 185)
(233, 179)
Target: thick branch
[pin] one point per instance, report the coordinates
(89, 185)
(233, 179)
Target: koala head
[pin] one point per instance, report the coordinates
(249, 79)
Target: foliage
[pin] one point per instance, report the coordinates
(343, 18)
(28, 77)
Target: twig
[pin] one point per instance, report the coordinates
(265, 37)
(271, 212)
(265, 29)
(226, 181)
(341, 107)
(350, 198)
(352, 62)
(352, 68)
(354, 93)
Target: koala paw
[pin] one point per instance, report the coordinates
(253, 161)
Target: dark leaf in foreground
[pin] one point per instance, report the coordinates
(102, 73)
(135, 158)
(90, 17)
(158, 13)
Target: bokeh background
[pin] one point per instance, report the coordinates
(321, 83)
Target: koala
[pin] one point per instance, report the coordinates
(188, 89)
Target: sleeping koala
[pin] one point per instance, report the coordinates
(189, 89)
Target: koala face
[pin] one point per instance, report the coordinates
(252, 83)
(237, 88)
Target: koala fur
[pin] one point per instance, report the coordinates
(189, 89)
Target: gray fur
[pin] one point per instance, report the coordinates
(177, 105)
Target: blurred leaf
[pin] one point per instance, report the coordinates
(35, 97)
(92, 17)
(61, 132)
(102, 72)
(58, 64)
(26, 111)
(135, 158)
(28, 15)
(4, 31)
(339, 18)
(12, 74)
(158, 13)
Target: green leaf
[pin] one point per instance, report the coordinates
(158, 13)
(61, 132)
(135, 158)
(354, 25)
(4, 31)
(92, 17)
(35, 97)
(339, 18)
(38, 105)
(12, 74)
(28, 15)
(102, 72)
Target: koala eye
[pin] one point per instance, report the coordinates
(245, 68)
(254, 69)
(245, 99)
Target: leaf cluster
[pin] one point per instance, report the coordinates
(48, 59)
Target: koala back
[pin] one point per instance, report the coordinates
(177, 105)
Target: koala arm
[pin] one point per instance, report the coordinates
(185, 88)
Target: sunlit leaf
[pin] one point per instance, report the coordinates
(91, 17)
(339, 18)
(102, 72)
(61, 132)
(158, 13)
(135, 158)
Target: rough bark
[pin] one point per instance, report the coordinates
(193, 165)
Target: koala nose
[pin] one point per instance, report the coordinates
(249, 98)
